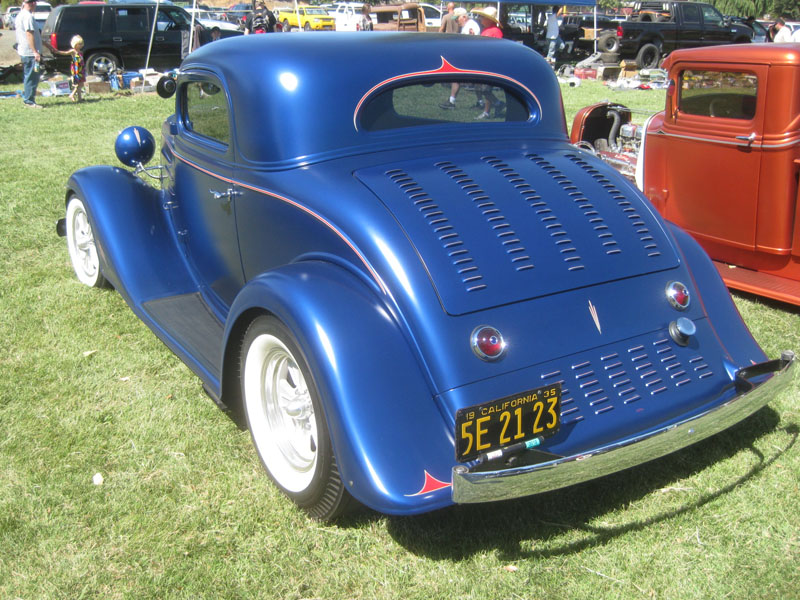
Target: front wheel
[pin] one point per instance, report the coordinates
(286, 420)
(82, 246)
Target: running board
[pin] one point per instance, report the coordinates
(191, 325)
(761, 284)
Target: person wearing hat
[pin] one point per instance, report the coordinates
(29, 48)
(467, 25)
(490, 26)
(782, 33)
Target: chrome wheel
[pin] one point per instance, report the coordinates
(101, 63)
(281, 413)
(81, 245)
(286, 419)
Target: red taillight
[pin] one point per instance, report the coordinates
(487, 343)
(53, 41)
(678, 295)
(619, 31)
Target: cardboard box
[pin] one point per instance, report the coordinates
(98, 87)
(590, 34)
(628, 68)
(608, 72)
(59, 88)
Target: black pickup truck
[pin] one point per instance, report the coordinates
(658, 28)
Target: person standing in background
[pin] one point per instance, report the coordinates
(555, 43)
(449, 20)
(366, 18)
(29, 48)
(782, 33)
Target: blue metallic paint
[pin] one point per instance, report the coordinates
(319, 233)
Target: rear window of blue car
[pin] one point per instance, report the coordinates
(429, 103)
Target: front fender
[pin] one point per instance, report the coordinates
(135, 244)
(385, 426)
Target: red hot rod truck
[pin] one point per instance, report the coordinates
(722, 159)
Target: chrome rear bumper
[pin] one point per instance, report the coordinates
(487, 486)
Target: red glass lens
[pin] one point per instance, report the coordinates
(488, 343)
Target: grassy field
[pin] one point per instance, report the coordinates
(185, 511)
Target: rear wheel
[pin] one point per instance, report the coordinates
(100, 63)
(307, 27)
(82, 246)
(648, 56)
(286, 27)
(286, 420)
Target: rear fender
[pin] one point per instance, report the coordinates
(135, 243)
(386, 429)
(718, 305)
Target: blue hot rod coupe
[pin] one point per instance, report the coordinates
(412, 304)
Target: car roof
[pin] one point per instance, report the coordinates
(262, 99)
(759, 53)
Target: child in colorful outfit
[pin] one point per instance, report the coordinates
(77, 67)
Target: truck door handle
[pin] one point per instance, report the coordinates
(747, 138)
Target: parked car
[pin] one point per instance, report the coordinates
(117, 36)
(238, 13)
(658, 28)
(307, 18)
(347, 16)
(721, 160)
(433, 16)
(208, 20)
(520, 22)
(792, 25)
(760, 33)
(580, 31)
(398, 17)
(412, 307)
(41, 12)
(10, 16)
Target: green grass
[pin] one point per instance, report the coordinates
(185, 510)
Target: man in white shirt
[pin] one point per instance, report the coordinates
(468, 26)
(782, 33)
(29, 48)
(553, 35)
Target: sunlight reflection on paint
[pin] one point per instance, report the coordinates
(326, 345)
(288, 81)
(397, 268)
